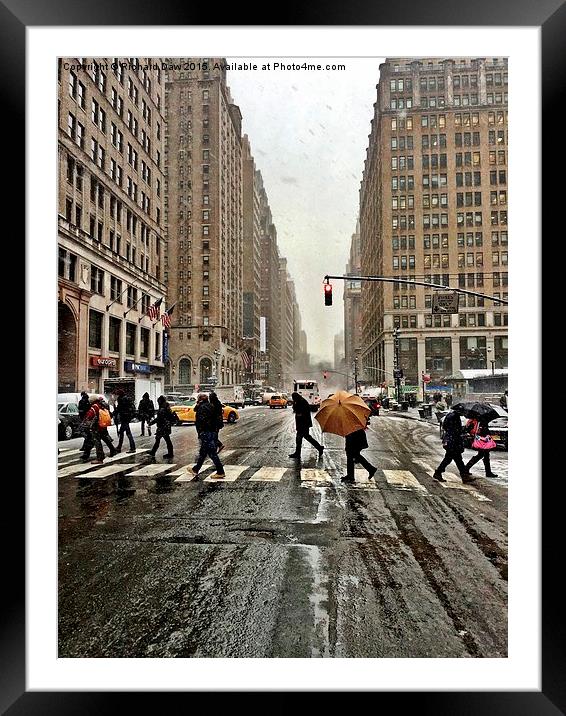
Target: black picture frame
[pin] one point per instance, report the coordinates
(550, 16)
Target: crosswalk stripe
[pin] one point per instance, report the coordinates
(151, 470)
(315, 475)
(404, 480)
(453, 482)
(268, 474)
(224, 454)
(232, 472)
(362, 479)
(103, 472)
(76, 469)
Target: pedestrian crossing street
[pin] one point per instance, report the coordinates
(396, 479)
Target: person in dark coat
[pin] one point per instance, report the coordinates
(83, 407)
(125, 411)
(146, 412)
(479, 427)
(164, 419)
(355, 443)
(217, 405)
(303, 423)
(453, 444)
(206, 426)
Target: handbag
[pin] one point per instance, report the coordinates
(484, 442)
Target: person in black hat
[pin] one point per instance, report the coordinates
(303, 423)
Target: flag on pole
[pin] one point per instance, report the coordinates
(166, 317)
(246, 359)
(153, 310)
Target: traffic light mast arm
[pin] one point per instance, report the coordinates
(415, 283)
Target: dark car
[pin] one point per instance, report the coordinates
(68, 420)
(373, 404)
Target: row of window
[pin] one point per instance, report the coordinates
(436, 241)
(95, 336)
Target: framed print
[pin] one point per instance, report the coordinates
(203, 210)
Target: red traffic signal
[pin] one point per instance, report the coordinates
(328, 294)
(325, 375)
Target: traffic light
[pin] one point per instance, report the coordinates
(325, 375)
(328, 294)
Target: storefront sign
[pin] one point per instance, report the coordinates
(100, 362)
(165, 351)
(132, 367)
(439, 388)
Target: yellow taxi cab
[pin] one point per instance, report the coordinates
(185, 410)
(278, 400)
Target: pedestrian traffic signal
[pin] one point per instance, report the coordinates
(328, 294)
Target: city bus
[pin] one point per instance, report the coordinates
(309, 390)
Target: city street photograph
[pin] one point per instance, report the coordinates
(282, 357)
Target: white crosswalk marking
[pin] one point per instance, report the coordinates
(268, 474)
(151, 470)
(404, 480)
(104, 472)
(76, 469)
(453, 482)
(315, 475)
(223, 455)
(362, 479)
(232, 473)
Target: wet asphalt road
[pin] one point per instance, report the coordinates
(400, 567)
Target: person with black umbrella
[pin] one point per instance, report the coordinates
(453, 444)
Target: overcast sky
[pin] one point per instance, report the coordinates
(309, 132)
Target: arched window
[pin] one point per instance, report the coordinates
(184, 371)
(205, 370)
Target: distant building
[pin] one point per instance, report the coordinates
(352, 305)
(339, 363)
(436, 169)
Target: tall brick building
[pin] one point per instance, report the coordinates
(110, 233)
(204, 224)
(433, 207)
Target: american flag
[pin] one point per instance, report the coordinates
(246, 359)
(153, 311)
(166, 317)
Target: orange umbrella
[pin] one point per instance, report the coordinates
(342, 414)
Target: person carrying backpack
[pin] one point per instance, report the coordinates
(146, 412)
(164, 419)
(125, 412)
(97, 420)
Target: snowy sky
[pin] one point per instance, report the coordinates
(308, 132)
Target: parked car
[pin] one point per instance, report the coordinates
(278, 401)
(68, 420)
(185, 411)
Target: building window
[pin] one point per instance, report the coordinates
(144, 342)
(95, 329)
(96, 280)
(131, 339)
(114, 334)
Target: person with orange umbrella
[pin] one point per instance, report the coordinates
(347, 415)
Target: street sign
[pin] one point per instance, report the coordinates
(445, 302)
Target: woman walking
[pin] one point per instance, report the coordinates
(303, 423)
(355, 443)
(146, 412)
(164, 419)
(479, 428)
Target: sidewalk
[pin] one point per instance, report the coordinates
(410, 414)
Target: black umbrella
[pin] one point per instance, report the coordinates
(479, 411)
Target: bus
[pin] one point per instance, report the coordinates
(309, 390)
